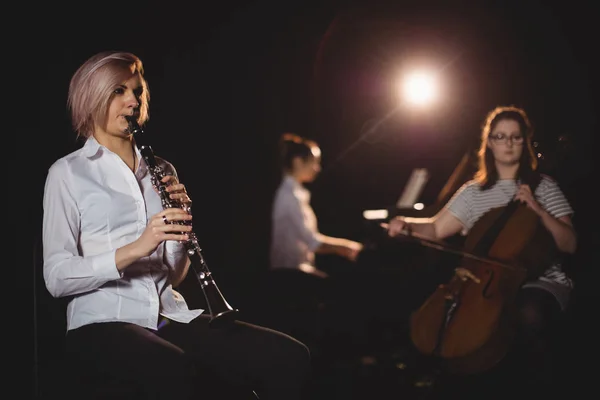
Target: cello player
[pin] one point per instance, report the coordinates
(506, 172)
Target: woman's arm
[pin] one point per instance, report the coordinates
(444, 224)
(66, 273)
(562, 231)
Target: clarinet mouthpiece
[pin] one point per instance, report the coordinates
(134, 126)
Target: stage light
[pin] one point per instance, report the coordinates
(419, 88)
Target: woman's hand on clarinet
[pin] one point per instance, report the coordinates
(177, 190)
(164, 226)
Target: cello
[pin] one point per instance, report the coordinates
(469, 326)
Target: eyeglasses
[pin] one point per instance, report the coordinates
(503, 139)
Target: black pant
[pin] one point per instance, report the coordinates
(536, 344)
(167, 364)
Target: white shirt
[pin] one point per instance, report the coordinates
(294, 236)
(93, 205)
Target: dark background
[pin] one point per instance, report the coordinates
(227, 79)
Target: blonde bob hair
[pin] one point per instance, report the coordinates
(93, 84)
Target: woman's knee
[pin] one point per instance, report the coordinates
(179, 363)
(287, 353)
(298, 357)
(299, 351)
(538, 310)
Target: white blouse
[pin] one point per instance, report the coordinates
(93, 205)
(295, 235)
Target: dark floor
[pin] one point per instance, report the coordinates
(391, 369)
(372, 357)
(361, 350)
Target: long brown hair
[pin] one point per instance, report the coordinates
(487, 175)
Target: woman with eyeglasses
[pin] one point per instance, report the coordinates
(507, 172)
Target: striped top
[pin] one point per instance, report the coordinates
(470, 203)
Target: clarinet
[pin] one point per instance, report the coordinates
(221, 313)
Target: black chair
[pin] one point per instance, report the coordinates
(49, 332)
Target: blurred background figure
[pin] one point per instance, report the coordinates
(299, 288)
